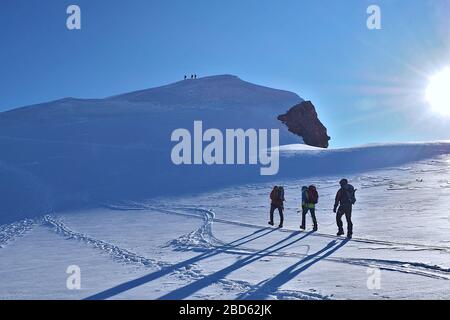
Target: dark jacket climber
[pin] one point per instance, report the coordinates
(343, 204)
(277, 202)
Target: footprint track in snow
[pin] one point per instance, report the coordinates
(13, 231)
(190, 243)
(186, 273)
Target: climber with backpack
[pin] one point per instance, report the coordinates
(343, 205)
(310, 197)
(277, 200)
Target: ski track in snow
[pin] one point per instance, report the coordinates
(187, 273)
(191, 242)
(203, 240)
(113, 250)
(405, 246)
(11, 232)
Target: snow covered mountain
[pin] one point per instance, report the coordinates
(76, 151)
(223, 91)
(147, 117)
(80, 152)
(90, 182)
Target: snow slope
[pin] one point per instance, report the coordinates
(81, 151)
(216, 244)
(78, 153)
(90, 183)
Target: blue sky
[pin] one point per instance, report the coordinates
(368, 86)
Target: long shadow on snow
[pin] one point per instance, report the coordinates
(290, 273)
(191, 288)
(167, 270)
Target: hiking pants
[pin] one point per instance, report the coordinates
(313, 216)
(347, 211)
(280, 211)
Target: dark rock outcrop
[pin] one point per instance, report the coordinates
(303, 121)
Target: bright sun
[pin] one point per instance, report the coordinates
(438, 92)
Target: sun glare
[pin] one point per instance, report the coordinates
(438, 92)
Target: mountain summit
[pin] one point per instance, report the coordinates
(223, 101)
(80, 151)
(221, 90)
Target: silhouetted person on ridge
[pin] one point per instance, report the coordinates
(192, 76)
(185, 77)
(345, 199)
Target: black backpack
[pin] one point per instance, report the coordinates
(349, 194)
(280, 195)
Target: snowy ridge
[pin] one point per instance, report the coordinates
(108, 164)
(14, 230)
(222, 90)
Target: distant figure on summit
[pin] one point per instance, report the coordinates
(192, 76)
(195, 76)
(185, 77)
